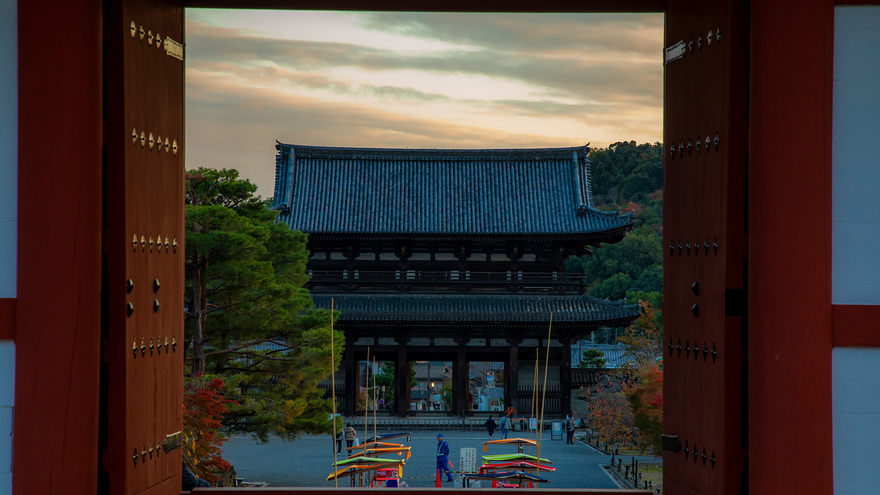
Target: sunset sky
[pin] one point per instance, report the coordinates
(415, 80)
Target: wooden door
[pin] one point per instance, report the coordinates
(143, 246)
(705, 144)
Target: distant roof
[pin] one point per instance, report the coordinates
(421, 370)
(475, 308)
(431, 191)
(615, 355)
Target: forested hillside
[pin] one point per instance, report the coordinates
(628, 176)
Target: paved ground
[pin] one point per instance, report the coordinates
(308, 461)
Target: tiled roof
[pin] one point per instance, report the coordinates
(427, 191)
(474, 307)
(436, 367)
(615, 355)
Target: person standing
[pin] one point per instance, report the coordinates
(511, 414)
(569, 429)
(490, 426)
(350, 435)
(504, 425)
(443, 457)
(339, 436)
(189, 480)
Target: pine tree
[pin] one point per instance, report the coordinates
(249, 318)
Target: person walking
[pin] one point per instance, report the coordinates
(504, 425)
(490, 426)
(339, 437)
(350, 435)
(443, 457)
(569, 429)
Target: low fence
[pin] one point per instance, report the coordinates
(419, 424)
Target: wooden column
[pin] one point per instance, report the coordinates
(511, 388)
(791, 97)
(58, 305)
(402, 379)
(565, 375)
(349, 365)
(461, 386)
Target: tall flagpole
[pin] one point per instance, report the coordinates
(543, 396)
(333, 386)
(533, 414)
(374, 399)
(367, 403)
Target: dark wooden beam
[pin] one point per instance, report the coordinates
(565, 376)
(402, 379)
(461, 386)
(511, 376)
(351, 386)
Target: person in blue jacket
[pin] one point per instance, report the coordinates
(443, 457)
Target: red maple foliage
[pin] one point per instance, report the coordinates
(645, 398)
(609, 415)
(634, 207)
(203, 405)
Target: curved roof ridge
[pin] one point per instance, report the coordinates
(380, 191)
(477, 307)
(307, 151)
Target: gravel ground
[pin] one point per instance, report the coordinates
(307, 461)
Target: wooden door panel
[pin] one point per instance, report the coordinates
(144, 245)
(705, 96)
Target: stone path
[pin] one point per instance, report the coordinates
(307, 461)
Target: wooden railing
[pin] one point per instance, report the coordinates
(454, 278)
(552, 400)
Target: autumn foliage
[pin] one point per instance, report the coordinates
(627, 405)
(203, 406)
(610, 417)
(645, 398)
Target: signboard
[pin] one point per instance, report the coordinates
(533, 423)
(675, 52)
(556, 430)
(468, 460)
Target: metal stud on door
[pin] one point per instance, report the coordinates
(144, 124)
(704, 90)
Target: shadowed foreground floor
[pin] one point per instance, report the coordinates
(307, 461)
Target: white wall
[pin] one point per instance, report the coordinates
(7, 399)
(8, 222)
(855, 413)
(855, 272)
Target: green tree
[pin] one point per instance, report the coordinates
(613, 288)
(651, 280)
(593, 358)
(637, 251)
(249, 318)
(626, 171)
(447, 393)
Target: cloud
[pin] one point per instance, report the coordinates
(599, 35)
(587, 78)
(491, 81)
(264, 115)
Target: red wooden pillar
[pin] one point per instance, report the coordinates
(790, 247)
(59, 248)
